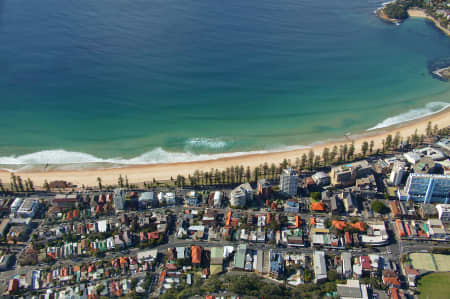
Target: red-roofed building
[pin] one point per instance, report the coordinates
(348, 239)
(13, 286)
(318, 207)
(358, 225)
(394, 293)
(365, 263)
(196, 252)
(171, 266)
(340, 225)
(390, 278)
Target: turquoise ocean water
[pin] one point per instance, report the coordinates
(148, 81)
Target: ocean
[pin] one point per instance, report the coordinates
(151, 81)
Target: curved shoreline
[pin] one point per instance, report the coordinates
(141, 173)
(420, 13)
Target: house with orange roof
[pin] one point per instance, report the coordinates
(318, 207)
(358, 225)
(196, 252)
(339, 224)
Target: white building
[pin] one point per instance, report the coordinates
(28, 208)
(170, 198)
(416, 155)
(443, 211)
(289, 181)
(321, 178)
(398, 173)
(320, 266)
(436, 229)
(146, 199)
(217, 199)
(376, 234)
(16, 204)
(119, 199)
(240, 195)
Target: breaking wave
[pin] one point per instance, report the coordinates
(429, 109)
(211, 143)
(156, 156)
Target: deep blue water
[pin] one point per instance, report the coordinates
(165, 78)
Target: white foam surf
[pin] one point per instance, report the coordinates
(156, 156)
(211, 143)
(429, 109)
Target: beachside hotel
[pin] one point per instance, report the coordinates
(426, 188)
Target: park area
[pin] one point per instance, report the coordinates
(430, 262)
(434, 285)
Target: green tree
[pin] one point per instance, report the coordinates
(364, 148)
(20, 184)
(371, 146)
(120, 181)
(379, 207)
(99, 180)
(435, 130)
(396, 141)
(326, 155)
(46, 186)
(30, 184)
(344, 151)
(310, 159)
(429, 129)
(388, 143)
(303, 161)
(351, 151)
(334, 153)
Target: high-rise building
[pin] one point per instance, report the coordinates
(289, 181)
(397, 173)
(426, 188)
(240, 195)
(119, 199)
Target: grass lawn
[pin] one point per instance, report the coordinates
(434, 285)
(442, 261)
(422, 261)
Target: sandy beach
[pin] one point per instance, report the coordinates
(141, 173)
(420, 13)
